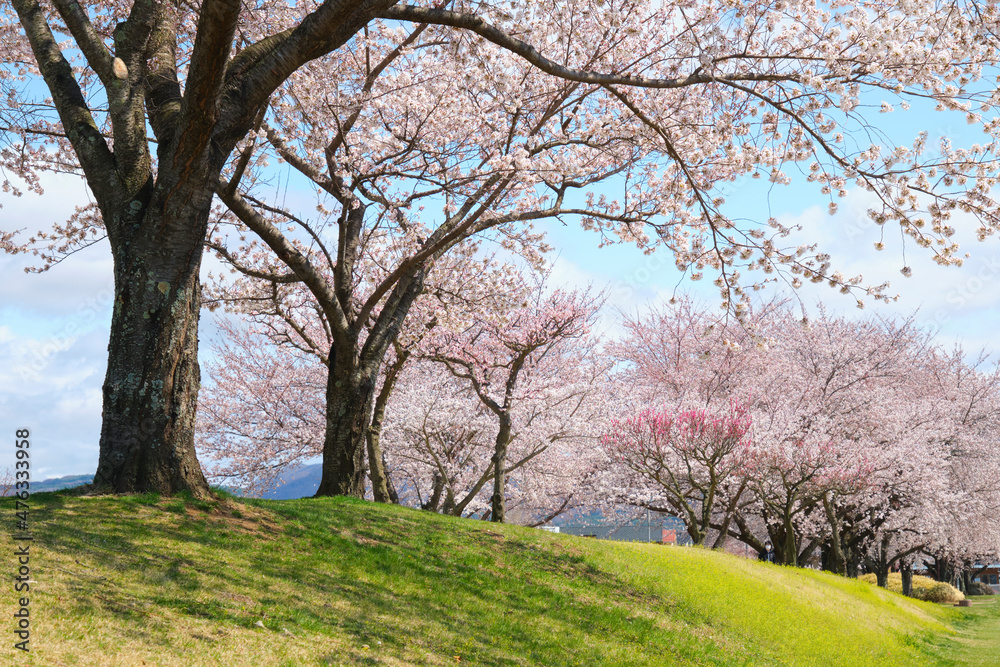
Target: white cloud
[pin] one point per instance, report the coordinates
(962, 302)
(82, 282)
(53, 342)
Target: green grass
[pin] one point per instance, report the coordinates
(144, 580)
(978, 639)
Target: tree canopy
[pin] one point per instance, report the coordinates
(434, 122)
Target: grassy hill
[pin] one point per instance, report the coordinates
(143, 580)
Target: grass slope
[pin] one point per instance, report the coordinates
(140, 580)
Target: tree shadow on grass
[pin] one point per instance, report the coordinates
(335, 567)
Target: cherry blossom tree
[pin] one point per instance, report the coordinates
(668, 98)
(440, 443)
(687, 463)
(501, 357)
(691, 360)
(866, 435)
(855, 402)
(264, 412)
(8, 482)
(962, 537)
(288, 345)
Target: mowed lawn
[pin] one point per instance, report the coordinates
(978, 638)
(143, 580)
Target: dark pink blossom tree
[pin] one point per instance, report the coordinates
(691, 463)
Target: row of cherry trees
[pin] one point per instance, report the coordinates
(439, 121)
(859, 441)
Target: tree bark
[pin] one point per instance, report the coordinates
(838, 564)
(157, 233)
(789, 549)
(437, 487)
(745, 535)
(906, 575)
(498, 505)
(731, 508)
(349, 396)
(382, 488)
(723, 537)
(350, 390)
(879, 564)
(853, 565)
(376, 460)
(152, 380)
(393, 494)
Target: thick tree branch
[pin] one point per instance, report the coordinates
(260, 68)
(200, 104)
(163, 91)
(90, 42)
(92, 150)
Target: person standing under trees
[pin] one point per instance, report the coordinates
(767, 555)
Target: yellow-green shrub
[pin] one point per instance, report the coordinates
(924, 588)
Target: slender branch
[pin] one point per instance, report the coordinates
(493, 34)
(301, 223)
(290, 255)
(284, 278)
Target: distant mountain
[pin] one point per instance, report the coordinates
(56, 483)
(299, 483)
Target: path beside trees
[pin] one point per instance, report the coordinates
(978, 642)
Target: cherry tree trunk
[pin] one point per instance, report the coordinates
(879, 564)
(906, 574)
(383, 490)
(350, 393)
(853, 564)
(434, 499)
(498, 507)
(152, 381)
(837, 562)
(723, 537)
(788, 554)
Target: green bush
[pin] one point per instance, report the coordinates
(979, 588)
(924, 588)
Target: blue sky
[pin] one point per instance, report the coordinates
(54, 326)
